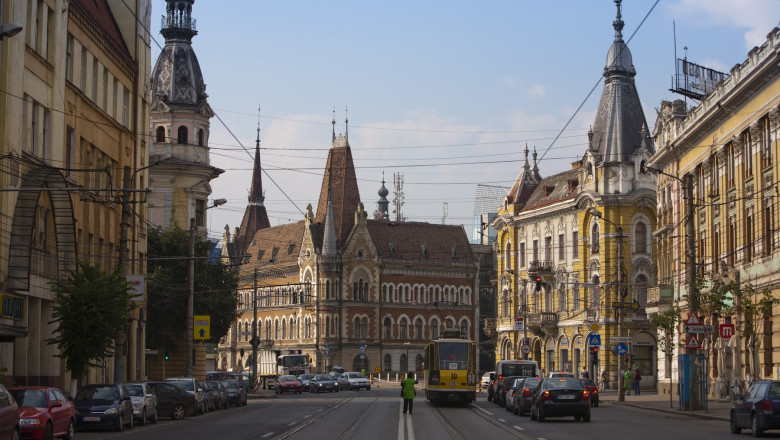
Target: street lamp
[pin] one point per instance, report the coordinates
(189, 337)
(596, 213)
(9, 30)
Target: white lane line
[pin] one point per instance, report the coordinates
(268, 435)
(292, 423)
(519, 428)
(483, 410)
(501, 420)
(307, 416)
(401, 418)
(541, 438)
(410, 428)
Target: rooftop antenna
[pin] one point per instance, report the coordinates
(445, 211)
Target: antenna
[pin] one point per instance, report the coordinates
(445, 211)
(398, 196)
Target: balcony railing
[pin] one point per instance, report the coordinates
(543, 319)
(540, 266)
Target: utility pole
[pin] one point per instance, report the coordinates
(254, 334)
(189, 336)
(621, 390)
(525, 315)
(693, 293)
(124, 226)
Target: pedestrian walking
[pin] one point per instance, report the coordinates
(627, 378)
(408, 392)
(604, 378)
(637, 378)
(584, 374)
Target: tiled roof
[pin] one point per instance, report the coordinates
(340, 179)
(99, 13)
(420, 241)
(554, 189)
(277, 245)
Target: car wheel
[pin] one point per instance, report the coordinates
(153, 420)
(533, 414)
(178, 412)
(15, 435)
(131, 422)
(48, 434)
(756, 425)
(71, 433)
(586, 417)
(540, 415)
(735, 429)
(142, 422)
(515, 410)
(121, 424)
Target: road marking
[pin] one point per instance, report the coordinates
(501, 420)
(268, 435)
(292, 423)
(483, 410)
(519, 428)
(307, 416)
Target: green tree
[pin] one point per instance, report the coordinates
(665, 323)
(91, 309)
(167, 288)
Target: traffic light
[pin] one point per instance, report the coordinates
(538, 283)
(594, 355)
(628, 360)
(166, 355)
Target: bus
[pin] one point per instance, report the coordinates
(451, 369)
(516, 367)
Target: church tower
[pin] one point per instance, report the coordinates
(180, 174)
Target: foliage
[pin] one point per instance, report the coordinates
(665, 323)
(167, 288)
(91, 309)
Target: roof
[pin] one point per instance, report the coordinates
(554, 189)
(340, 180)
(277, 245)
(420, 241)
(99, 13)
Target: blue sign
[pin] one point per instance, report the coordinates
(594, 340)
(621, 349)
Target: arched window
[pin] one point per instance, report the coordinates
(284, 329)
(640, 238)
(464, 328)
(450, 323)
(434, 328)
(387, 325)
(594, 239)
(356, 328)
(276, 329)
(200, 138)
(403, 329)
(182, 139)
(404, 363)
(641, 285)
(293, 329)
(327, 326)
(160, 134)
(418, 329)
(387, 362)
(508, 257)
(268, 329)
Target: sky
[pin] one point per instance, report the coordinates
(444, 93)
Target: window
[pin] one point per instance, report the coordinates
(640, 238)
(125, 107)
(387, 363)
(731, 240)
(418, 329)
(769, 227)
(387, 326)
(160, 137)
(766, 143)
(93, 91)
(70, 150)
(594, 239)
(535, 251)
(731, 166)
(104, 98)
(575, 245)
(434, 329)
(404, 363)
(747, 142)
(749, 235)
(561, 247)
(548, 248)
(508, 256)
(403, 329)
(521, 254)
(200, 213)
(464, 328)
(69, 58)
(200, 138)
(714, 176)
(83, 70)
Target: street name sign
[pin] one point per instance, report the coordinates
(633, 305)
(698, 328)
(616, 339)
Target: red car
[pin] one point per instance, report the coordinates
(288, 383)
(44, 412)
(590, 385)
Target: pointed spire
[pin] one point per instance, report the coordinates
(333, 122)
(536, 165)
(346, 124)
(525, 165)
(618, 23)
(256, 192)
(329, 248)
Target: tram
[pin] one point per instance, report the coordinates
(451, 369)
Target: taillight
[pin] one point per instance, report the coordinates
(595, 392)
(546, 395)
(585, 394)
(527, 392)
(766, 405)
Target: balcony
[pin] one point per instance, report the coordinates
(540, 266)
(490, 327)
(544, 321)
(659, 295)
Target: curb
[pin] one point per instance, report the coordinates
(698, 415)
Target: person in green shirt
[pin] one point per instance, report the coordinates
(627, 378)
(408, 392)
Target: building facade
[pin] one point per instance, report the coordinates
(727, 148)
(71, 116)
(574, 252)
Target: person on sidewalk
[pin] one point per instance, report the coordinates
(408, 392)
(637, 378)
(627, 378)
(584, 374)
(604, 379)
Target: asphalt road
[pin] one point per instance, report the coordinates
(376, 415)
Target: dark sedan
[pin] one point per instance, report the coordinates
(103, 406)
(220, 393)
(502, 387)
(560, 397)
(236, 393)
(323, 382)
(521, 401)
(173, 401)
(757, 410)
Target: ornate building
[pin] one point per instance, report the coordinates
(584, 234)
(727, 148)
(345, 289)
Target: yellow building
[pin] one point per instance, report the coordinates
(727, 146)
(70, 120)
(574, 253)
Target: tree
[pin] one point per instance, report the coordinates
(91, 308)
(665, 323)
(215, 288)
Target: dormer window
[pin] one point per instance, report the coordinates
(274, 252)
(392, 248)
(454, 251)
(290, 248)
(424, 250)
(548, 190)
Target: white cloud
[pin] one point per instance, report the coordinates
(508, 81)
(537, 91)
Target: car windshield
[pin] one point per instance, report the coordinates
(355, 375)
(531, 382)
(31, 398)
(230, 384)
(135, 390)
(213, 385)
(185, 384)
(288, 379)
(306, 376)
(98, 393)
(562, 383)
(323, 377)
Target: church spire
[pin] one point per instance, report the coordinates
(333, 123)
(329, 245)
(618, 23)
(256, 195)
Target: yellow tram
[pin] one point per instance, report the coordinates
(450, 369)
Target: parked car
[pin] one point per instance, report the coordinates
(243, 378)
(209, 397)
(144, 402)
(521, 400)
(323, 382)
(353, 380)
(593, 389)
(337, 371)
(510, 394)
(757, 410)
(305, 379)
(9, 416)
(44, 413)
(560, 397)
(288, 383)
(503, 384)
(220, 393)
(103, 406)
(486, 380)
(236, 393)
(561, 374)
(173, 401)
(192, 386)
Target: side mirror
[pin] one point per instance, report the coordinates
(56, 404)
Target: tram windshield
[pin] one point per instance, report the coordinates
(453, 356)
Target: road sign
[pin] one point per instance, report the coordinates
(693, 320)
(202, 327)
(633, 305)
(621, 349)
(595, 327)
(693, 343)
(594, 340)
(378, 370)
(726, 331)
(698, 328)
(615, 339)
(525, 349)
(518, 324)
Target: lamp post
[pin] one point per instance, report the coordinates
(619, 312)
(189, 336)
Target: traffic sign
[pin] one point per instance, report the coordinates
(594, 340)
(621, 349)
(595, 327)
(633, 305)
(693, 343)
(525, 349)
(615, 339)
(693, 320)
(726, 331)
(202, 327)
(518, 324)
(698, 328)
(378, 370)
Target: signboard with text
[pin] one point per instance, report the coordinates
(202, 327)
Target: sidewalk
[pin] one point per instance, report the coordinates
(651, 400)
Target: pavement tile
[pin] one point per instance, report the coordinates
(716, 409)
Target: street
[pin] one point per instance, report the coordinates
(376, 415)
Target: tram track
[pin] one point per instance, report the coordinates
(345, 434)
(457, 434)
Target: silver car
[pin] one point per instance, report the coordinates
(353, 380)
(193, 387)
(144, 402)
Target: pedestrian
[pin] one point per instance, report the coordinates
(584, 374)
(408, 392)
(637, 378)
(604, 379)
(627, 378)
